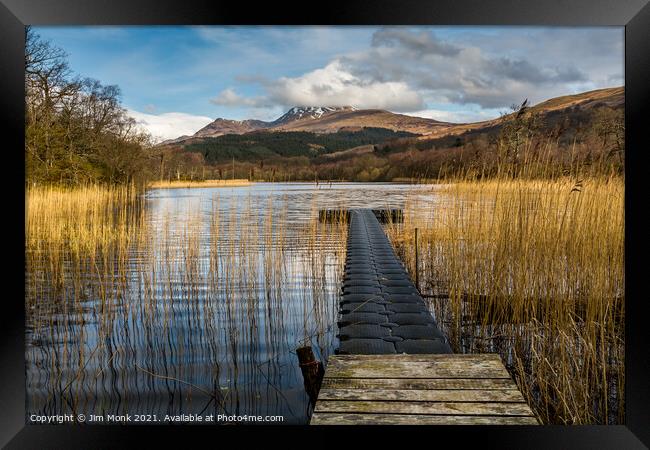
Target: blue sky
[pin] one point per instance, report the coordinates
(174, 80)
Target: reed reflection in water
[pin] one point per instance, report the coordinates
(185, 300)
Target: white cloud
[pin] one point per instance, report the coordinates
(169, 125)
(331, 85)
(415, 71)
(228, 97)
(334, 86)
(495, 72)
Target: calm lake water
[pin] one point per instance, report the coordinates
(205, 312)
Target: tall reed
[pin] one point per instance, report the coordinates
(161, 306)
(534, 270)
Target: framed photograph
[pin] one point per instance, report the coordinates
(418, 217)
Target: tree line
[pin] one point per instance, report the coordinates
(76, 131)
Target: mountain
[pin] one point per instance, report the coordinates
(175, 140)
(331, 120)
(306, 113)
(574, 107)
(321, 119)
(611, 97)
(363, 118)
(345, 143)
(568, 112)
(224, 126)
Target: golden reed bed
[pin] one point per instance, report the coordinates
(534, 270)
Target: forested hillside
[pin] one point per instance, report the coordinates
(269, 145)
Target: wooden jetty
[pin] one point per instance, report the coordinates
(435, 389)
(394, 366)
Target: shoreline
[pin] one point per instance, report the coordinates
(246, 183)
(199, 184)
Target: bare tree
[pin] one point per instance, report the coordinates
(76, 129)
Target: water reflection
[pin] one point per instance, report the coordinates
(201, 309)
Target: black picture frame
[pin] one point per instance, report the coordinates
(633, 14)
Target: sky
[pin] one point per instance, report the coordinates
(175, 80)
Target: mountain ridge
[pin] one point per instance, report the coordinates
(329, 119)
(319, 119)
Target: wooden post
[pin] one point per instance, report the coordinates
(162, 166)
(417, 265)
(312, 371)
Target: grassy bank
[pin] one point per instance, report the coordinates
(534, 270)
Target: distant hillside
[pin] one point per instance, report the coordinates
(296, 114)
(369, 118)
(611, 97)
(224, 126)
(569, 111)
(264, 145)
(572, 106)
(310, 143)
(349, 153)
(323, 120)
(319, 119)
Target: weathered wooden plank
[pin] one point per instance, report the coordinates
(414, 419)
(381, 363)
(442, 360)
(414, 389)
(432, 408)
(422, 383)
(403, 369)
(419, 357)
(446, 395)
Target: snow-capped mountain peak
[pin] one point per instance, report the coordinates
(311, 112)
